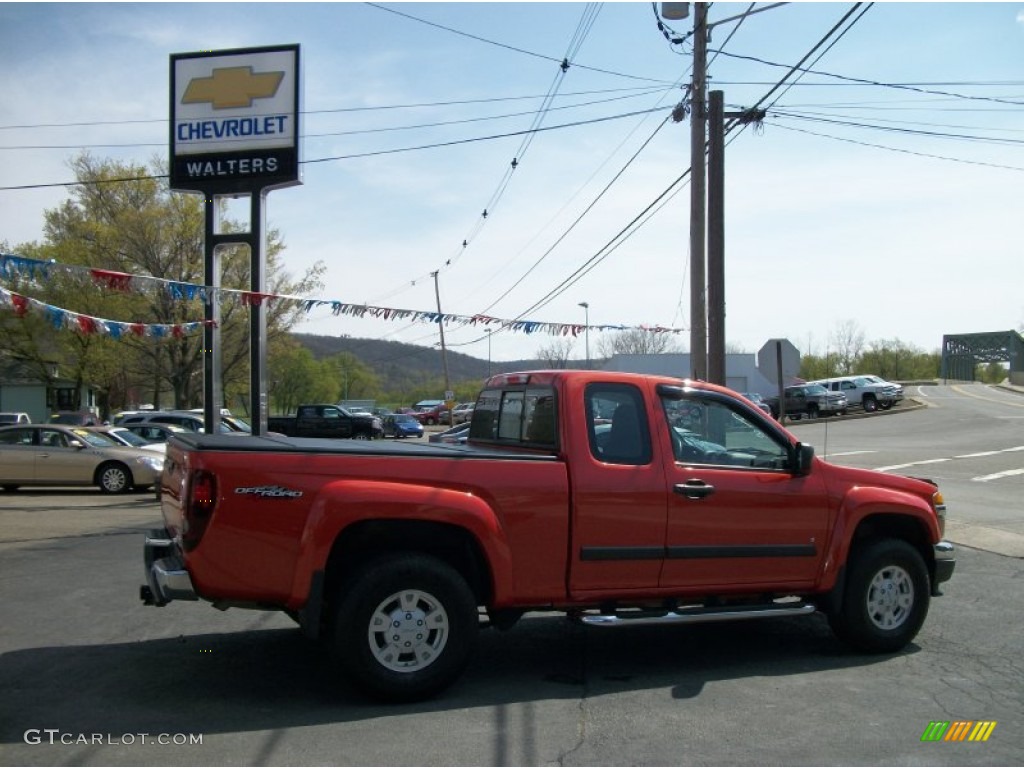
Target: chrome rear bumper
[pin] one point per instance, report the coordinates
(166, 577)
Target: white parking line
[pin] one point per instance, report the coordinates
(998, 475)
(912, 464)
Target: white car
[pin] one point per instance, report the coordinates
(124, 436)
(462, 413)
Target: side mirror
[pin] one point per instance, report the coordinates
(802, 459)
(72, 443)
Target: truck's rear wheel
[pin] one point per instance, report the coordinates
(886, 597)
(405, 627)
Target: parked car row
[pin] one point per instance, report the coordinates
(826, 397)
(810, 400)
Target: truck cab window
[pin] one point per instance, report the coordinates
(706, 431)
(526, 416)
(617, 424)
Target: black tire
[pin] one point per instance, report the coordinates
(870, 404)
(886, 406)
(405, 594)
(886, 597)
(812, 411)
(114, 477)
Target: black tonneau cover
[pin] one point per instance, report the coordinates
(320, 445)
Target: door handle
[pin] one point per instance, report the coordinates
(694, 489)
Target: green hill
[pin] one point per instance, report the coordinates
(405, 366)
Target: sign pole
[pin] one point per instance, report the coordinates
(212, 387)
(234, 130)
(258, 315)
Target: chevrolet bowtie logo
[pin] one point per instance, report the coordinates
(232, 87)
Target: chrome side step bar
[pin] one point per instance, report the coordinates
(696, 615)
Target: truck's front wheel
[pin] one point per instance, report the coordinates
(406, 627)
(886, 598)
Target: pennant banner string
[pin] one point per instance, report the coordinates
(12, 267)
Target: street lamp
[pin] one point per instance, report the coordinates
(488, 353)
(586, 327)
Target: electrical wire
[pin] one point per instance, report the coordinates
(508, 47)
(356, 155)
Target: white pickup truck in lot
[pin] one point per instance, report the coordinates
(869, 392)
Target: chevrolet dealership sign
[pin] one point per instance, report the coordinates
(235, 119)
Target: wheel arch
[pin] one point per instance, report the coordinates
(354, 522)
(875, 525)
(369, 540)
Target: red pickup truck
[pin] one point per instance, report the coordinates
(619, 499)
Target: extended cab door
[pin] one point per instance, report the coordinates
(737, 513)
(619, 505)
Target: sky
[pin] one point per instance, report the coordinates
(883, 189)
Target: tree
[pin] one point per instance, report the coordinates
(354, 380)
(637, 342)
(137, 226)
(556, 354)
(847, 342)
(295, 377)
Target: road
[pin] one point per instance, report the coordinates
(82, 661)
(969, 438)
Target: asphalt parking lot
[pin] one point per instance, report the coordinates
(83, 659)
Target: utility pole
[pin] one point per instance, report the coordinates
(444, 349)
(698, 310)
(716, 238)
(586, 326)
(488, 353)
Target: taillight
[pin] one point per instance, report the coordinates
(199, 504)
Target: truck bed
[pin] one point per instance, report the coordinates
(321, 446)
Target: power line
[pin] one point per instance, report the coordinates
(364, 131)
(877, 83)
(340, 110)
(916, 153)
(506, 46)
(356, 155)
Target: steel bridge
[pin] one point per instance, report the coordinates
(962, 353)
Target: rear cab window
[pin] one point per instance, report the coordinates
(516, 416)
(617, 424)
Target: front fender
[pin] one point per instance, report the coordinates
(860, 505)
(344, 502)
